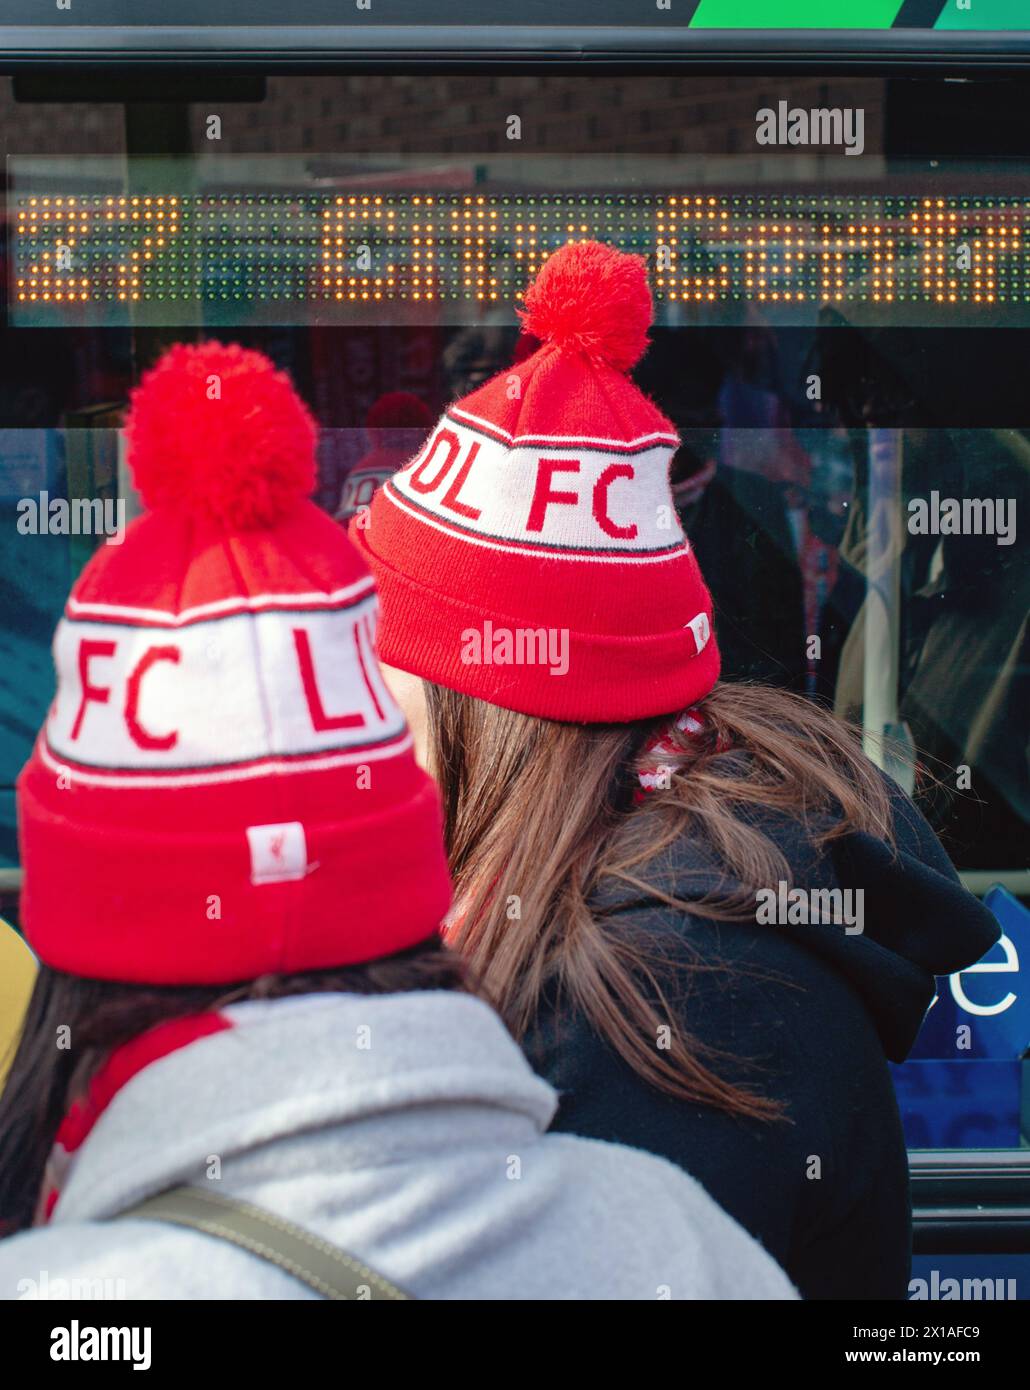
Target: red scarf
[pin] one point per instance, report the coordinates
(667, 757)
(667, 752)
(123, 1064)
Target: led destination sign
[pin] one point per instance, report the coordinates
(394, 257)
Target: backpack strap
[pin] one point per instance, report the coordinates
(324, 1267)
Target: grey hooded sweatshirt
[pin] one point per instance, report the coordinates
(407, 1129)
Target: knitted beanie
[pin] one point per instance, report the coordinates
(530, 554)
(397, 425)
(223, 787)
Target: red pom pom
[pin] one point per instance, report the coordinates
(592, 299)
(216, 430)
(398, 410)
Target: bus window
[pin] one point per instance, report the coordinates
(841, 271)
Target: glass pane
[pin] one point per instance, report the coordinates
(841, 326)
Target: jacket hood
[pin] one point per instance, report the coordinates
(920, 922)
(915, 919)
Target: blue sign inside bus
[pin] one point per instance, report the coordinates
(961, 1087)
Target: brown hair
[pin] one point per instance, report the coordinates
(100, 1015)
(541, 818)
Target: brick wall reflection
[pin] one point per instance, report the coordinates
(652, 114)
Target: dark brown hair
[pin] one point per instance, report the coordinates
(543, 815)
(100, 1015)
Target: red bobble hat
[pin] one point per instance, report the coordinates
(530, 555)
(397, 424)
(223, 787)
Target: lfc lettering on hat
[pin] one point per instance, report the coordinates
(286, 683)
(451, 499)
(543, 496)
(571, 495)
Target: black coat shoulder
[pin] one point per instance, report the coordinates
(808, 1015)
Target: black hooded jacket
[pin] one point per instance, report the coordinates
(807, 1014)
